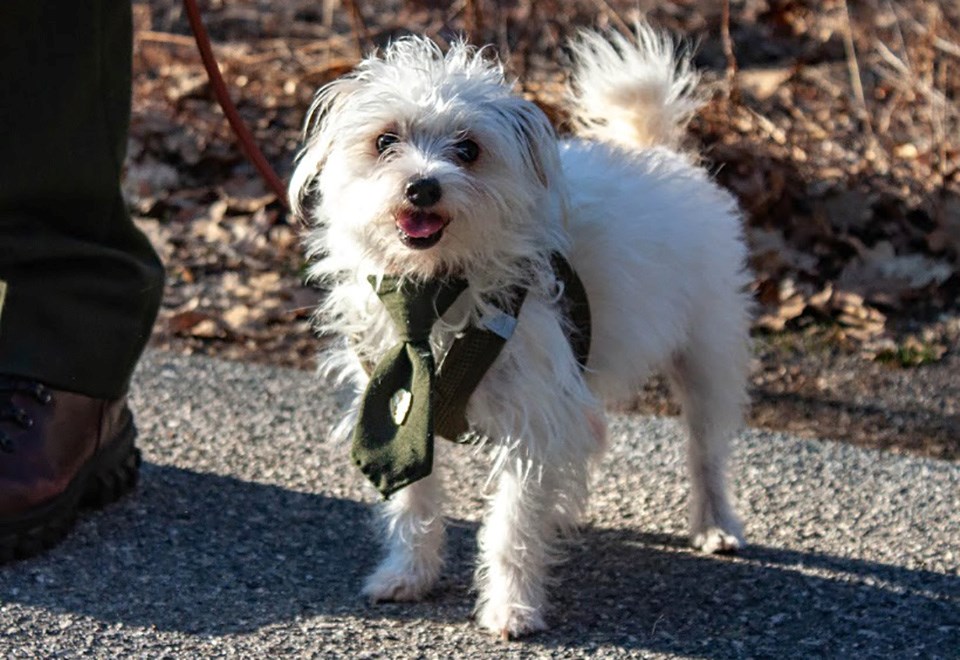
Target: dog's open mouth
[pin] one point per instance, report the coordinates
(419, 229)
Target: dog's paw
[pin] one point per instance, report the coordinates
(715, 528)
(716, 541)
(510, 621)
(390, 585)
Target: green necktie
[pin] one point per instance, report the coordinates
(393, 440)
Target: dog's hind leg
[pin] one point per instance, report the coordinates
(710, 381)
(414, 537)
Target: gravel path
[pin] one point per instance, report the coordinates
(249, 537)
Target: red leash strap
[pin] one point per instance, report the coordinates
(229, 109)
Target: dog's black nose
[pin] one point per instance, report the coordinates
(423, 192)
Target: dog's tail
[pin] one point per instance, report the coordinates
(633, 93)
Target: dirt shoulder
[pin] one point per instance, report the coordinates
(815, 388)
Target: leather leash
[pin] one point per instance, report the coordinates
(243, 134)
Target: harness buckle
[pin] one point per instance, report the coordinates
(499, 323)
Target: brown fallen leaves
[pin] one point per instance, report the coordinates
(850, 186)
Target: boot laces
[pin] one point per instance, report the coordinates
(10, 412)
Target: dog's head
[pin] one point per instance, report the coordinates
(423, 162)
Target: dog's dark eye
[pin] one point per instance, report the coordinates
(385, 141)
(467, 150)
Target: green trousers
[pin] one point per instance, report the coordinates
(82, 283)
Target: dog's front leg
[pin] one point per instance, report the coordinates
(517, 548)
(414, 534)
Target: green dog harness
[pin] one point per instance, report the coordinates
(408, 399)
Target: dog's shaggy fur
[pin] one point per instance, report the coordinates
(657, 244)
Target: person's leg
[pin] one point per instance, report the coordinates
(81, 284)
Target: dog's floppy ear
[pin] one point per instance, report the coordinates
(318, 131)
(534, 132)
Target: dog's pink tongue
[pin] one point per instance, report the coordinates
(418, 224)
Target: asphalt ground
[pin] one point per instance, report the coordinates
(250, 534)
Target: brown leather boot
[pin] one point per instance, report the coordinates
(59, 451)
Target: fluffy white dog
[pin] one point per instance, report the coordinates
(424, 163)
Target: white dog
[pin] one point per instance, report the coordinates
(424, 164)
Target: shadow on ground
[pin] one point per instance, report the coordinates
(209, 555)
